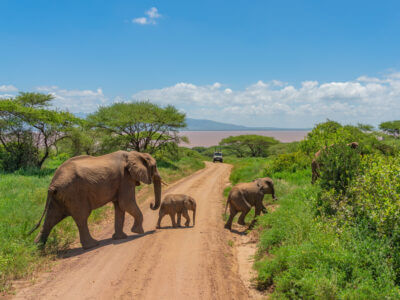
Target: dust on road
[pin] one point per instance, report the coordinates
(182, 263)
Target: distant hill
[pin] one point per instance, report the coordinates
(208, 125)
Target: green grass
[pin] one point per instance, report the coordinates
(23, 195)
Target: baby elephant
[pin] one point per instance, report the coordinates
(177, 204)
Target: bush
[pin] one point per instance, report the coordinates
(339, 164)
(19, 155)
(290, 162)
(375, 195)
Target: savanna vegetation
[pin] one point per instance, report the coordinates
(338, 238)
(35, 139)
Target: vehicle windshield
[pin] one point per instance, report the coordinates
(217, 154)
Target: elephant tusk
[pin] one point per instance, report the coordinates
(163, 182)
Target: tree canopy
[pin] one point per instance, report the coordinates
(255, 145)
(140, 126)
(391, 127)
(27, 123)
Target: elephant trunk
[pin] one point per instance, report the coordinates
(273, 192)
(157, 191)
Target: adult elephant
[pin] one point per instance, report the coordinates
(315, 165)
(84, 183)
(245, 195)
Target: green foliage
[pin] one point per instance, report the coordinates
(339, 164)
(290, 162)
(140, 126)
(283, 148)
(27, 125)
(249, 145)
(330, 132)
(209, 151)
(375, 195)
(391, 127)
(303, 257)
(246, 169)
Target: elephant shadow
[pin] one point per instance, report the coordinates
(181, 227)
(241, 232)
(79, 250)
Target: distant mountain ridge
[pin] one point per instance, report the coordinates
(208, 125)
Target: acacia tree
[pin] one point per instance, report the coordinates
(140, 126)
(255, 145)
(391, 127)
(27, 123)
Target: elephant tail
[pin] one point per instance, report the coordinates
(227, 202)
(50, 194)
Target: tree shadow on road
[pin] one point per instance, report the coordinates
(78, 251)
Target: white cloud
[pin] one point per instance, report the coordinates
(152, 16)
(76, 100)
(276, 103)
(153, 13)
(8, 88)
(141, 21)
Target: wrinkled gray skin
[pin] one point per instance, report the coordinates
(84, 183)
(245, 195)
(177, 204)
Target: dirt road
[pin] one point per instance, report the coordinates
(183, 263)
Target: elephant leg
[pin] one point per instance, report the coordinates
(119, 223)
(260, 208)
(160, 216)
(54, 215)
(178, 221)
(186, 216)
(245, 208)
(172, 215)
(133, 209)
(86, 239)
(242, 217)
(233, 212)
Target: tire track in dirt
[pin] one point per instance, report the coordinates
(168, 263)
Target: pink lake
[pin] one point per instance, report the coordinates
(212, 138)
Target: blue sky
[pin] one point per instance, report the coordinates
(260, 63)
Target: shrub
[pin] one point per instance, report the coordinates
(376, 194)
(19, 155)
(339, 164)
(290, 162)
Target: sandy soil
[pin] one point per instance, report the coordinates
(184, 263)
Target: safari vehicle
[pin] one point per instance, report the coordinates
(217, 157)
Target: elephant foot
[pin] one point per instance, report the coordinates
(227, 226)
(41, 238)
(119, 236)
(137, 229)
(158, 227)
(187, 224)
(89, 244)
(241, 222)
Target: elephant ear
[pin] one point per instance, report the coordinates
(259, 182)
(137, 167)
